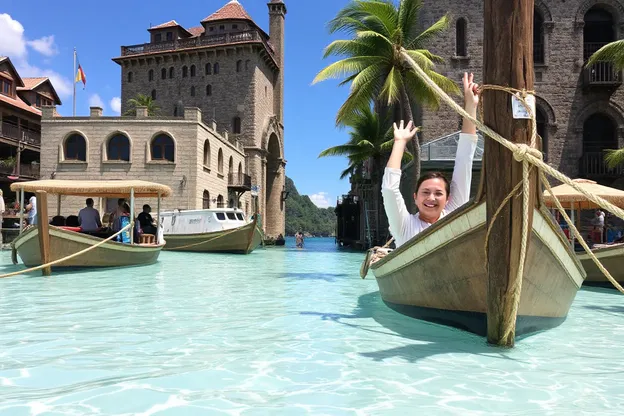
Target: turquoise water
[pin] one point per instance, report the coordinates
(281, 332)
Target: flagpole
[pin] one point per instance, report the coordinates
(74, 82)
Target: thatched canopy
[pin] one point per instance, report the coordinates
(108, 189)
(568, 195)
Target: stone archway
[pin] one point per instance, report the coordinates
(275, 181)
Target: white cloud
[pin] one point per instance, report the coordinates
(321, 200)
(96, 101)
(13, 44)
(115, 105)
(44, 46)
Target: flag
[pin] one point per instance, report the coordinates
(80, 75)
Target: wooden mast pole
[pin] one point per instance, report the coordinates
(43, 230)
(508, 62)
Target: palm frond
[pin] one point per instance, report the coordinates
(391, 90)
(341, 150)
(409, 11)
(614, 158)
(433, 31)
(612, 52)
(348, 66)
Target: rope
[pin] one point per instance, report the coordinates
(372, 256)
(81, 252)
(206, 241)
(526, 154)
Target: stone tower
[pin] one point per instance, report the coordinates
(232, 70)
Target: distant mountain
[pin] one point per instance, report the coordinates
(302, 215)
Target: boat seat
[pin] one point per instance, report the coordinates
(72, 221)
(147, 239)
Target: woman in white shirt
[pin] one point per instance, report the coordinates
(434, 196)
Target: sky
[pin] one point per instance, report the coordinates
(40, 38)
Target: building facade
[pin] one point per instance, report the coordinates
(203, 168)
(21, 100)
(231, 70)
(580, 111)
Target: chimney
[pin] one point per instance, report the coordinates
(48, 112)
(95, 112)
(192, 113)
(141, 112)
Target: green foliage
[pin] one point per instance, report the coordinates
(8, 162)
(614, 158)
(302, 215)
(142, 100)
(612, 52)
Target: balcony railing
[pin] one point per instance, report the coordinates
(199, 41)
(593, 164)
(239, 180)
(602, 74)
(11, 131)
(25, 169)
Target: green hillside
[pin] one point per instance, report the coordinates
(303, 215)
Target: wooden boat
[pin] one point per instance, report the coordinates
(612, 258)
(211, 231)
(45, 243)
(440, 274)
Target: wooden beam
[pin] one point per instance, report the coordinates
(43, 230)
(508, 62)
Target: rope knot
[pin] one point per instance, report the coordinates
(521, 151)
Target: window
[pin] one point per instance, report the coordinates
(118, 148)
(193, 71)
(208, 69)
(6, 86)
(222, 27)
(236, 125)
(184, 71)
(240, 168)
(211, 29)
(171, 72)
(231, 166)
(234, 26)
(460, 38)
(206, 200)
(75, 148)
(266, 90)
(150, 75)
(239, 216)
(38, 100)
(220, 203)
(247, 65)
(239, 66)
(169, 35)
(158, 37)
(163, 73)
(208, 90)
(130, 76)
(162, 148)
(220, 161)
(220, 215)
(231, 216)
(538, 38)
(207, 153)
(216, 68)
(192, 91)
(153, 94)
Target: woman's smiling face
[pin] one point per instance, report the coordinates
(431, 199)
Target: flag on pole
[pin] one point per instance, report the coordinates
(80, 75)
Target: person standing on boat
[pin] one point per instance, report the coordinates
(31, 209)
(434, 196)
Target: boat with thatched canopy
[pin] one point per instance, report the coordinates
(45, 243)
(610, 255)
(224, 230)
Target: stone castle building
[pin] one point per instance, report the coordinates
(218, 134)
(580, 111)
(233, 71)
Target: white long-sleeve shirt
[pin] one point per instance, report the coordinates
(403, 225)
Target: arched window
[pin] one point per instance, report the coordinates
(461, 48)
(216, 68)
(239, 66)
(598, 30)
(206, 200)
(193, 70)
(240, 168)
(220, 161)
(75, 148)
(150, 75)
(163, 73)
(175, 110)
(192, 91)
(118, 148)
(220, 203)
(208, 69)
(231, 166)
(130, 76)
(171, 72)
(162, 148)
(538, 38)
(207, 153)
(184, 71)
(208, 90)
(246, 64)
(599, 133)
(153, 94)
(236, 125)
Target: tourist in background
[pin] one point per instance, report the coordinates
(31, 209)
(89, 217)
(146, 221)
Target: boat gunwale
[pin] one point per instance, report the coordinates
(602, 252)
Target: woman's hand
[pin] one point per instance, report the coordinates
(471, 102)
(404, 134)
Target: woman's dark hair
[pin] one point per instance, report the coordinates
(126, 208)
(434, 175)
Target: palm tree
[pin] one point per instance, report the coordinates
(374, 61)
(613, 158)
(612, 52)
(142, 100)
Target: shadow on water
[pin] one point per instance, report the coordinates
(610, 309)
(431, 339)
(328, 277)
(65, 271)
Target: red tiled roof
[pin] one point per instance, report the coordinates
(232, 10)
(170, 23)
(30, 83)
(17, 102)
(196, 31)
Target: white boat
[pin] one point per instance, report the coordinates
(224, 230)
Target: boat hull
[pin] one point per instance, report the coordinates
(241, 240)
(440, 276)
(612, 258)
(64, 243)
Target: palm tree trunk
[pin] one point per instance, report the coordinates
(414, 148)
